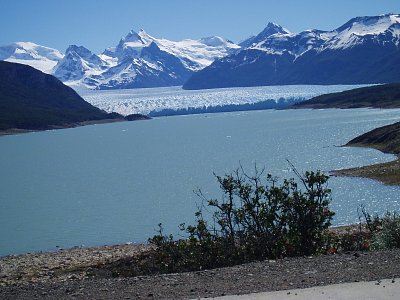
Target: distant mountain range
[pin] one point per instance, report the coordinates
(364, 50)
(138, 60)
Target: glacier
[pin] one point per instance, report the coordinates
(175, 100)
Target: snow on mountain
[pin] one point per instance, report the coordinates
(274, 56)
(130, 46)
(138, 60)
(271, 29)
(275, 39)
(80, 66)
(364, 50)
(141, 60)
(361, 29)
(150, 67)
(295, 44)
(197, 54)
(194, 54)
(39, 57)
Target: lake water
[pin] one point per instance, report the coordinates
(113, 183)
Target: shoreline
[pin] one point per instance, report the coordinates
(43, 266)
(16, 131)
(385, 139)
(124, 248)
(387, 173)
(128, 118)
(82, 273)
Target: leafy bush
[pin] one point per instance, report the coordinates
(254, 220)
(379, 233)
(355, 241)
(372, 222)
(388, 237)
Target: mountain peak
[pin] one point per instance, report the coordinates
(370, 24)
(213, 41)
(132, 36)
(365, 50)
(269, 30)
(273, 28)
(80, 50)
(360, 30)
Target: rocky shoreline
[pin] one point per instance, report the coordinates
(385, 139)
(81, 273)
(59, 265)
(387, 173)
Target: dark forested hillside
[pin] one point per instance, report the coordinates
(32, 100)
(379, 96)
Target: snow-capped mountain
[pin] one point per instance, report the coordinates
(268, 31)
(78, 63)
(377, 29)
(39, 57)
(149, 67)
(364, 50)
(138, 60)
(195, 54)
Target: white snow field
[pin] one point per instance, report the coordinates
(149, 100)
(39, 57)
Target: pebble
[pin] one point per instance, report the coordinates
(218, 280)
(42, 266)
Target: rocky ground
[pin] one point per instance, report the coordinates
(74, 274)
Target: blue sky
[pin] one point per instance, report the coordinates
(97, 24)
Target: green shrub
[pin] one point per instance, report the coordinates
(372, 222)
(355, 241)
(254, 220)
(388, 237)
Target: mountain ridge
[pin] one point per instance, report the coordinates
(364, 50)
(134, 62)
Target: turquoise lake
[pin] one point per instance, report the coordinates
(113, 183)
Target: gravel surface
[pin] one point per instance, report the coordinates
(73, 274)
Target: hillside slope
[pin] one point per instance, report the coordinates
(379, 96)
(385, 139)
(32, 100)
